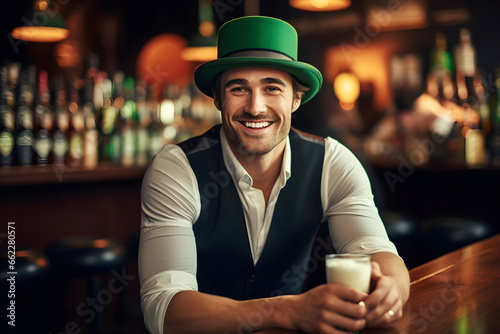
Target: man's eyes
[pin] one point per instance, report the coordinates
(241, 89)
(238, 89)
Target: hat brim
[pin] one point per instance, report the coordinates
(306, 74)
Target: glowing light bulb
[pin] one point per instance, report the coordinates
(347, 89)
(320, 5)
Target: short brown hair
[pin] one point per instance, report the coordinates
(299, 90)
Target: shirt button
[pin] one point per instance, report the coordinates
(252, 279)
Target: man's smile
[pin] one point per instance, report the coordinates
(256, 125)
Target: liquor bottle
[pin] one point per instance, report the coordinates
(44, 122)
(107, 122)
(129, 130)
(474, 147)
(77, 125)
(144, 120)
(116, 140)
(90, 134)
(10, 80)
(441, 67)
(7, 141)
(446, 130)
(7, 117)
(466, 78)
(473, 132)
(450, 147)
(155, 129)
(59, 137)
(484, 111)
(24, 118)
(465, 62)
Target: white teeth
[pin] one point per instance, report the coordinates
(257, 125)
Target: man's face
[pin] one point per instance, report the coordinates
(256, 105)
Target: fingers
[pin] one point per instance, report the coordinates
(376, 272)
(334, 308)
(384, 315)
(349, 309)
(382, 292)
(341, 323)
(345, 309)
(344, 292)
(384, 305)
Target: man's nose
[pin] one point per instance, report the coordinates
(256, 104)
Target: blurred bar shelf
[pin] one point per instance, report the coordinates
(57, 174)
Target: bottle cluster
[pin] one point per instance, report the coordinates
(469, 101)
(448, 114)
(86, 121)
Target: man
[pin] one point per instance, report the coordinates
(227, 217)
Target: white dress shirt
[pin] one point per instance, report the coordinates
(171, 205)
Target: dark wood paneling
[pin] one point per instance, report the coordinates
(101, 203)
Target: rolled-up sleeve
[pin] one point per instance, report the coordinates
(170, 205)
(354, 222)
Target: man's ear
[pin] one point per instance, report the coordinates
(296, 104)
(216, 98)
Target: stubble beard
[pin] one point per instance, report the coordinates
(251, 147)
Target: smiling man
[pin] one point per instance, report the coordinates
(229, 216)
(258, 104)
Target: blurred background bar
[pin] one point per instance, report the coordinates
(92, 90)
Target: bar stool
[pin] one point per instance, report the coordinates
(445, 234)
(90, 258)
(31, 266)
(30, 269)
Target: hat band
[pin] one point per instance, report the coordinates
(259, 54)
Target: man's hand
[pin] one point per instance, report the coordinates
(327, 308)
(385, 303)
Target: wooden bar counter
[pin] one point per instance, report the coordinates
(456, 293)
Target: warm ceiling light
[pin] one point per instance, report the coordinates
(347, 89)
(203, 47)
(199, 54)
(320, 5)
(410, 14)
(42, 25)
(40, 34)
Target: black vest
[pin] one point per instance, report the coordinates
(224, 260)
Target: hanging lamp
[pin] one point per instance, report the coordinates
(204, 46)
(42, 25)
(320, 5)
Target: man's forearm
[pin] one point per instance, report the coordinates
(196, 312)
(392, 265)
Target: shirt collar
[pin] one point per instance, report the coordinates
(238, 173)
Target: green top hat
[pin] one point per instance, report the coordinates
(258, 41)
